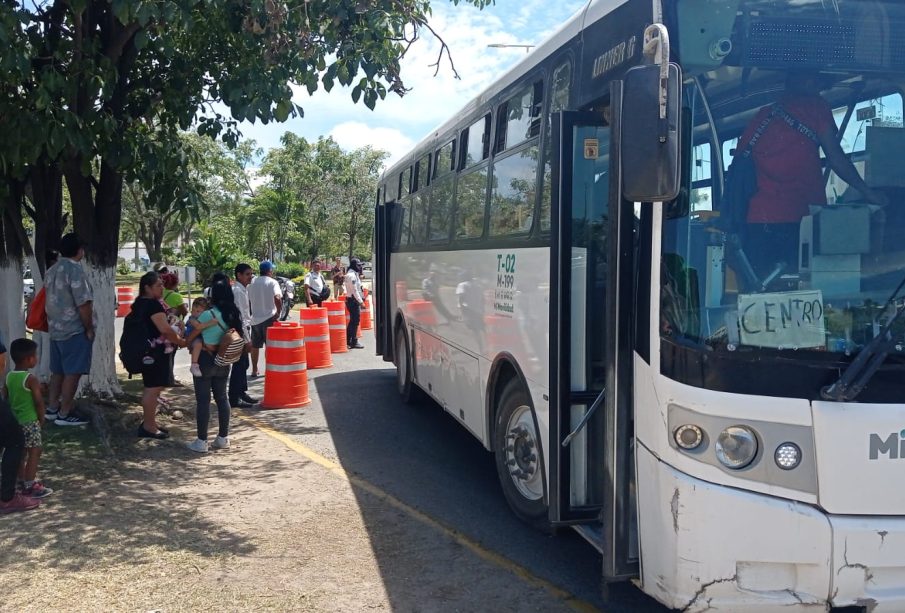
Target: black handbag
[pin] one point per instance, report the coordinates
(741, 183)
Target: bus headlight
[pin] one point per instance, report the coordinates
(688, 437)
(788, 456)
(736, 447)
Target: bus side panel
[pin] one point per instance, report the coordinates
(466, 307)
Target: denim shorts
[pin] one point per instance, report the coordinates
(32, 432)
(72, 356)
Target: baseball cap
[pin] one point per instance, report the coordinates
(265, 267)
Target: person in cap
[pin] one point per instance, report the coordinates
(266, 300)
(354, 302)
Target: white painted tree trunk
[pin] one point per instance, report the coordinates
(12, 306)
(102, 380)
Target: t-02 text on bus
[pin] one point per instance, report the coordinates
(709, 387)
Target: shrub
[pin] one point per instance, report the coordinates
(290, 270)
(209, 255)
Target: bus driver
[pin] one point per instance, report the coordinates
(789, 172)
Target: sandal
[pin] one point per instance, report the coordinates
(160, 435)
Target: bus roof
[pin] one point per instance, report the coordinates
(591, 12)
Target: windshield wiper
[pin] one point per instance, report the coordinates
(868, 361)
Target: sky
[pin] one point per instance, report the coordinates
(397, 124)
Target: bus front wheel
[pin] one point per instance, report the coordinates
(404, 379)
(516, 451)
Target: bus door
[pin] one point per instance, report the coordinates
(589, 452)
(387, 219)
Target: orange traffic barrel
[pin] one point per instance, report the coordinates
(125, 296)
(336, 319)
(286, 373)
(317, 336)
(366, 315)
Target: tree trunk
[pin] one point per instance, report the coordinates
(46, 181)
(12, 320)
(12, 316)
(103, 380)
(96, 218)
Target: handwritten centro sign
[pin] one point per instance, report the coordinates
(787, 320)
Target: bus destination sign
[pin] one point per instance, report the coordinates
(787, 320)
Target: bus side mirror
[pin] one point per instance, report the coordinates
(650, 143)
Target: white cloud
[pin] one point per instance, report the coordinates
(355, 134)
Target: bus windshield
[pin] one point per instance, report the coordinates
(790, 232)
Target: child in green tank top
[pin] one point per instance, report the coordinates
(23, 391)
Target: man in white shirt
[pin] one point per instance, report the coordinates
(315, 286)
(266, 300)
(238, 379)
(354, 301)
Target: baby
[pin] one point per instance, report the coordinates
(193, 329)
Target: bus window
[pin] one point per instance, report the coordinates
(403, 238)
(518, 117)
(405, 185)
(471, 198)
(559, 100)
(475, 142)
(422, 168)
(513, 194)
(392, 190)
(443, 160)
(441, 208)
(419, 218)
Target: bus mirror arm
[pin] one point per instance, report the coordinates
(656, 47)
(587, 417)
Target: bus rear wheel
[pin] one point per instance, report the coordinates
(516, 451)
(404, 377)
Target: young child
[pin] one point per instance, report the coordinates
(24, 394)
(193, 329)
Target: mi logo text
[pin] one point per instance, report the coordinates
(893, 446)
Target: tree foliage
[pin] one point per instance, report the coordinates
(94, 87)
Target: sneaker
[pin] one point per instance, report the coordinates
(50, 415)
(249, 399)
(221, 442)
(356, 346)
(195, 370)
(240, 404)
(71, 420)
(18, 503)
(198, 446)
(37, 490)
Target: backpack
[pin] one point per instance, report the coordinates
(37, 313)
(133, 344)
(230, 348)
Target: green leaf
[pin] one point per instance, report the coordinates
(282, 111)
(356, 93)
(141, 39)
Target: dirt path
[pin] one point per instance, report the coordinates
(256, 527)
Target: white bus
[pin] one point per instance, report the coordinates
(709, 388)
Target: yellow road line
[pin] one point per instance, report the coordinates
(482, 552)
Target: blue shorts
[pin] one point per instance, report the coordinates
(72, 356)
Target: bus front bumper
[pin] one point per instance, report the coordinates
(711, 547)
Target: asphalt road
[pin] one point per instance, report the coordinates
(424, 458)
